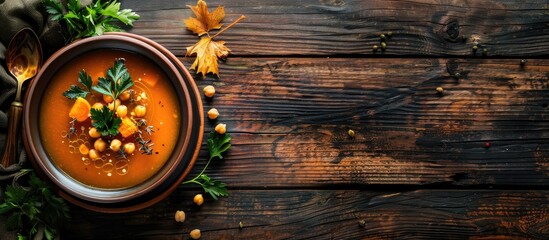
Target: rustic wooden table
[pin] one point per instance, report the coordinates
(302, 73)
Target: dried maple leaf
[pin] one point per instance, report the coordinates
(204, 21)
(206, 49)
(207, 52)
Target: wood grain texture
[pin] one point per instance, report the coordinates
(327, 27)
(289, 118)
(302, 73)
(331, 214)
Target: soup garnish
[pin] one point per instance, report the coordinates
(109, 116)
(105, 127)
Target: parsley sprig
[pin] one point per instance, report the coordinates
(75, 91)
(92, 20)
(217, 145)
(32, 208)
(117, 81)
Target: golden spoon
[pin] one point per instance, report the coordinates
(24, 56)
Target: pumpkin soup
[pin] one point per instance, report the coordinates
(110, 125)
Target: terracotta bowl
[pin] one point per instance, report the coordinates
(176, 167)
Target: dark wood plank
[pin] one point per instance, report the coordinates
(311, 214)
(311, 27)
(289, 118)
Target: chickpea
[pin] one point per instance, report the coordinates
(209, 91)
(213, 114)
(83, 149)
(94, 133)
(440, 89)
(140, 111)
(195, 234)
(221, 128)
(179, 216)
(115, 145)
(121, 111)
(198, 199)
(129, 148)
(97, 105)
(93, 154)
(107, 98)
(125, 96)
(115, 103)
(100, 145)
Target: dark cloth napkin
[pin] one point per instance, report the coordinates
(14, 16)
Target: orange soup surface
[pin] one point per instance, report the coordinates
(70, 150)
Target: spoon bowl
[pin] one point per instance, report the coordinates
(24, 57)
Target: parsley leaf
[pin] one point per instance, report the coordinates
(92, 20)
(105, 121)
(213, 187)
(76, 91)
(125, 16)
(217, 145)
(85, 79)
(55, 9)
(117, 81)
(33, 207)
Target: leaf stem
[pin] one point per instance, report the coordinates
(197, 176)
(242, 17)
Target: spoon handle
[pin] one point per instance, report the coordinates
(10, 150)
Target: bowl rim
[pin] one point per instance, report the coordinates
(183, 78)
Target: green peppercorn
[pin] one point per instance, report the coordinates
(374, 48)
(475, 48)
(382, 37)
(383, 45)
(241, 225)
(351, 133)
(484, 52)
(389, 34)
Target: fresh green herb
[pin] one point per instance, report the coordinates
(117, 81)
(105, 121)
(213, 187)
(92, 20)
(217, 145)
(76, 91)
(33, 208)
